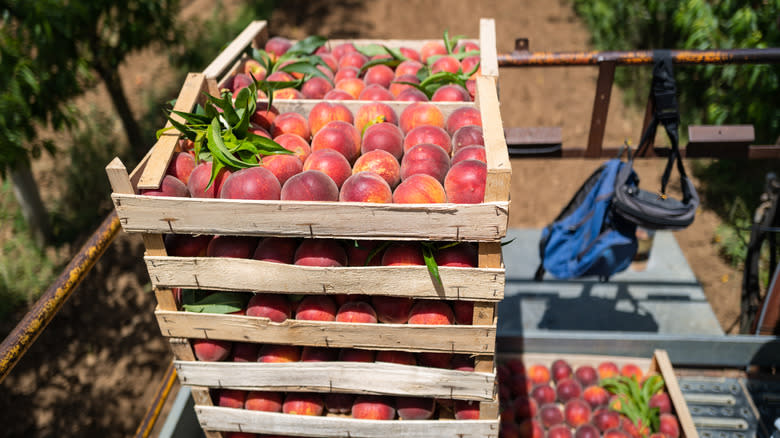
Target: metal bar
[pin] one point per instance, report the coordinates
(153, 412)
(26, 332)
(755, 152)
(598, 118)
(639, 57)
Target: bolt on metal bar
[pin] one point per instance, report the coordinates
(639, 57)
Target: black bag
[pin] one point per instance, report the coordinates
(657, 211)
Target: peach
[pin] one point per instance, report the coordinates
(576, 412)
(310, 185)
(428, 159)
(290, 123)
(373, 407)
(280, 76)
(464, 46)
(320, 252)
(316, 88)
(559, 431)
(239, 82)
(379, 74)
(527, 429)
(605, 419)
(381, 163)
(244, 352)
(445, 63)
(392, 310)
(316, 308)
(631, 370)
(516, 366)
(464, 116)
(331, 163)
(209, 350)
(353, 86)
(339, 136)
(185, 245)
(543, 394)
(270, 353)
(477, 153)
(277, 45)
(662, 402)
(410, 53)
(595, 396)
(357, 312)
(471, 86)
(468, 64)
(254, 69)
(338, 403)
(274, 307)
(231, 398)
(318, 354)
(414, 408)
(325, 112)
(170, 186)
(283, 166)
(303, 403)
(462, 362)
(181, 166)
(342, 49)
(295, 144)
(375, 93)
(346, 73)
(428, 134)
(539, 374)
(669, 425)
(288, 93)
(338, 95)
(251, 183)
(420, 113)
(403, 254)
(419, 189)
(398, 85)
(431, 312)
(359, 252)
(587, 430)
(451, 93)
(435, 360)
(635, 430)
(352, 59)
(240, 247)
(372, 113)
(432, 48)
(264, 116)
(330, 60)
(276, 249)
(465, 136)
(356, 355)
(399, 357)
(464, 312)
(614, 433)
(465, 182)
(607, 370)
(257, 130)
(366, 187)
(550, 414)
(525, 407)
(411, 95)
(519, 384)
(560, 369)
(264, 401)
(385, 136)
(568, 389)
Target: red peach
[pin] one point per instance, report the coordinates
(209, 350)
(470, 153)
(559, 431)
(520, 385)
(525, 407)
(254, 69)
(466, 410)
(516, 366)
(316, 308)
(346, 73)
(587, 430)
(320, 252)
(465, 182)
(607, 370)
(181, 166)
(357, 312)
(373, 407)
(428, 159)
(385, 136)
(330, 162)
(471, 86)
(239, 82)
(403, 254)
(539, 374)
(411, 95)
(451, 93)
(614, 433)
(291, 123)
(410, 53)
(568, 389)
(251, 183)
(244, 352)
(662, 402)
(375, 93)
(392, 310)
(576, 412)
(431, 312)
(399, 357)
(274, 307)
(419, 189)
(318, 354)
(277, 45)
(303, 403)
(352, 59)
(257, 130)
(240, 247)
(356, 355)
(445, 63)
(560, 369)
(185, 245)
(288, 93)
(380, 75)
(432, 48)
(605, 419)
(408, 67)
(527, 429)
(264, 401)
(468, 64)
(264, 116)
(669, 425)
(414, 408)
(464, 46)
(366, 187)
(398, 86)
(325, 112)
(373, 113)
(435, 360)
(280, 76)
(342, 49)
(636, 430)
(381, 163)
(631, 370)
(310, 185)
(295, 144)
(339, 136)
(428, 134)
(464, 312)
(270, 353)
(283, 166)
(543, 394)
(170, 186)
(463, 116)
(358, 253)
(420, 113)
(338, 403)
(335, 94)
(550, 415)
(316, 87)
(330, 60)
(465, 136)
(231, 398)
(595, 396)
(353, 86)
(276, 249)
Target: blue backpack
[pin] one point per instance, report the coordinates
(587, 238)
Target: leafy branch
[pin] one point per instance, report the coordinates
(635, 400)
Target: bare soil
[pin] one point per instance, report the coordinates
(94, 371)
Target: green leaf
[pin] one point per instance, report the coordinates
(430, 262)
(307, 68)
(371, 50)
(193, 118)
(508, 241)
(218, 302)
(308, 45)
(392, 63)
(219, 150)
(269, 87)
(266, 146)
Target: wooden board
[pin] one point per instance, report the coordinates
(407, 337)
(235, 420)
(487, 47)
(304, 106)
(343, 220)
(248, 37)
(230, 274)
(344, 377)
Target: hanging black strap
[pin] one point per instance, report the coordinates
(664, 95)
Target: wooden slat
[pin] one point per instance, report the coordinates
(234, 49)
(304, 106)
(406, 337)
(576, 360)
(235, 420)
(454, 222)
(487, 47)
(163, 149)
(344, 377)
(499, 166)
(723, 141)
(661, 360)
(230, 274)
(392, 43)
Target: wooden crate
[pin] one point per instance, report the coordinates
(658, 364)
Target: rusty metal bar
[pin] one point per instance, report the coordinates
(598, 118)
(639, 57)
(26, 332)
(754, 152)
(153, 413)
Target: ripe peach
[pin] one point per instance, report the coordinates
(320, 252)
(607, 370)
(353, 86)
(339, 136)
(251, 183)
(445, 63)
(560, 369)
(325, 112)
(330, 162)
(291, 123)
(358, 252)
(431, 312)
(280, 76)
(295, 144)
(550, 415)
(288, 93)
(462, 255)
(605, 419)
(342, 49)
(398, 85)
(373, 407)
(470, 153)
(419, 189)
(338, 403)
(595, 396)
(411, 95)
(414, 408)
(410, 53)
(525, 407)
(466, 410)
(209, 350)
(527, 429)
(461, 117)
(264, 116)
(380, 75)
(428, 134)
(303, 403)
(432, 48)
(451, 93)
(614, 433)
(366, 187)
(434, 360)
(465, 182)
(239, 82)
(277, 45)
(464, 46)
(170, 186)
(543, 394)
(330, 60)
(316, 88)
(271, 353)
(399, 357)
(346, 73)
(576, 412)
(356, 355)
(662, 402)
(276, 249)
(464, 312)
(587, 430)
(392, 310)
(403, 254)
(635, 430)
(631, 370)
(274, 307)
(462, 362)
(356, 311)
(335, 94)
(373, 113)
(240, 247)
(264, 401)
(420, 113)
(254, 69)
(586, 375)
(352, 59)
(283, 166)
(669, 425)
(408, 67)
(568, 389)
(385, 136)
(539, 374)
(257, 130)
(185, 245)
(375, 93)
(468, 64)
(318, 354)
(428, 159)
(181, 166)
(244, 352)
(465, 136)
(519, 384)
(231, 398)
(559, 431)
(381, 163)
(316, 308)
(310, 185)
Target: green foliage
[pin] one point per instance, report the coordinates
(711, 94)
(635, 398)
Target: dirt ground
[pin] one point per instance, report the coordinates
(95, 369)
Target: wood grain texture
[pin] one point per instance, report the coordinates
(304, 106)
(226, 58)
(235, 420)
(230, 274)
(452, 222)
(345, 377)
(499, 167)
(406, 337)
(664, 365)
(487, 47)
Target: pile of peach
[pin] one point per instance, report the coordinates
(374, 156)
(348, 81)
(559, 402)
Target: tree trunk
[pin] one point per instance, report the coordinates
(110, 77)
(29, 198)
